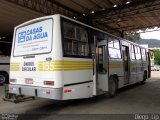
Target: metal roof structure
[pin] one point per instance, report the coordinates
(113, 16)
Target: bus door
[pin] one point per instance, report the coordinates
(125, 53)
(101, 62)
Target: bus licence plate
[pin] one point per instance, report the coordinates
(28, 81)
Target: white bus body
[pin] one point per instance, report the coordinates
(59, 58)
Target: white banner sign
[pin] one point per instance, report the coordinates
(34, 38)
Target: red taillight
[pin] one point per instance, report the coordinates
(47, 92)
(12, 80)
(67, 91)
(51, 83)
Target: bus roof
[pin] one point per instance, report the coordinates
(59, 15)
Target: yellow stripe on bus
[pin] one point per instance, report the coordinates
(15, 67)
(60, 65)
(116, 65)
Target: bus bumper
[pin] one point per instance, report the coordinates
(51, 93)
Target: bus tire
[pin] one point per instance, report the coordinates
(113, 86)
(4, 78)
(144, 78)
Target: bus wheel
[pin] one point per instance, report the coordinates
(113, 86)
(144, 78)
(4, 78)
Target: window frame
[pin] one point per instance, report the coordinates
(143, 53)
(133, 52)
(114, 39)
(138, 52)
(63, 20)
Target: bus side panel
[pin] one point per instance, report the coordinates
(116, 68)
(139, 71)
(77, 70)
(78, 78)
(133, 71)
(84, 90)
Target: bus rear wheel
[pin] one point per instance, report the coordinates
(144, 78)
(113, 86)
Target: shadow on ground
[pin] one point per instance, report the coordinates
(53, 108)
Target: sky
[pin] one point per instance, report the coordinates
(151, 35)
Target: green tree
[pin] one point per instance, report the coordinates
(132, 36)
(157, 57)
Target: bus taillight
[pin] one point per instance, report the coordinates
(12, 80)
(50, 83)
(67, 91)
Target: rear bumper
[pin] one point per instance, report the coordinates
(50, 93)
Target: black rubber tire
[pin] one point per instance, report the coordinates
(144, 78)
(5, 77)
(113, 86)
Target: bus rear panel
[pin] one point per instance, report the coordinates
(38, 67)
(34, 56)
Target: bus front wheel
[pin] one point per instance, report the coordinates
(113, 86)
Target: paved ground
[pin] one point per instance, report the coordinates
(131, 100)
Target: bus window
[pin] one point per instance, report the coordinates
(75, 40)
(132, 52)
(82, 49)
(110, 42)
(138, 54)
(114, 49)
(5, 48)
(116, 44)
(68, 31)
(143, 51)
(68, 46)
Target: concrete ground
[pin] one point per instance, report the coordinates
(144, 99)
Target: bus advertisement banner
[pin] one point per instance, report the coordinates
(34, 38)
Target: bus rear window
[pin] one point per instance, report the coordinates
(34, 38)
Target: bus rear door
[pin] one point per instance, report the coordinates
(101, 66)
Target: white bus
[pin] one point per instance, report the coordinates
(59, 58)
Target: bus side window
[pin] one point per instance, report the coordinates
(68, 30)
(114, 49)
(132, 52)
(144, 57)
(75, 40)
(138, 54)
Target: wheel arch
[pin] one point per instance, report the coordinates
(117, 78)
(145, 72)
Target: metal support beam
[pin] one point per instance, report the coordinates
(108, 28)
(125, 14)
(46, 7)
(126, 9)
